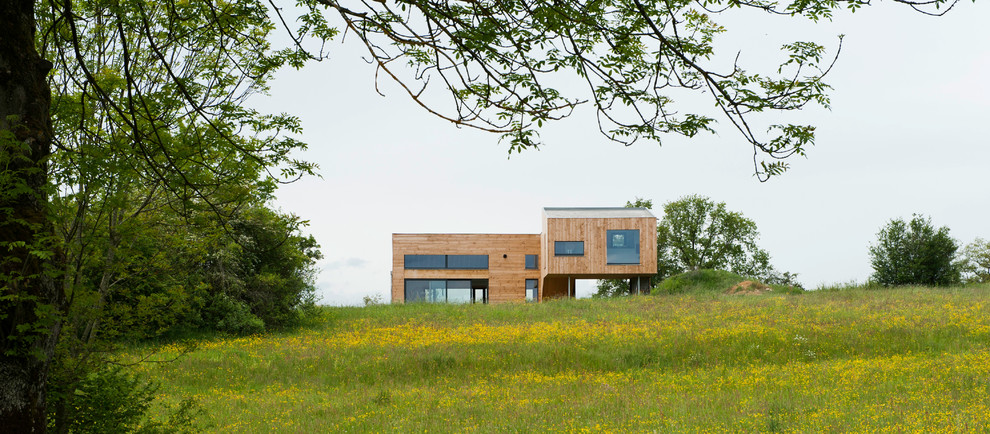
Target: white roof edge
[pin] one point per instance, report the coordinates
(599, 212)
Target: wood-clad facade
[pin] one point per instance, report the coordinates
(576, 243)
(506, 272)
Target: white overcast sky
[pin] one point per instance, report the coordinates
(907, 133)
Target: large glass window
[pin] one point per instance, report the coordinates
(622, 246)
(439, 262)
(467, 262)
(425, 261)
(458, 291)
(568, 248)
(532, 261)
(446, 291)
(532, 289)
(437, 292)
(416, 290)
(430, 291)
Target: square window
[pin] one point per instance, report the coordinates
(532, 262)
(622, 247)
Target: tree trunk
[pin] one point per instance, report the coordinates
(31, 302)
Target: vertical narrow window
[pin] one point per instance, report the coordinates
(532, 290)
(622, 247)
(532, 262)
(480, 288)
(568, 248)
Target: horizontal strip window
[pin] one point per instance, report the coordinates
(441, 262)
(426, 262)
(568, 248)
(467, 262)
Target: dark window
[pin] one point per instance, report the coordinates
(467, 262)
(532, 289)
(532, 261)
(480, 288)
(622, 246)
(425, 261)
(568, 248)
(446, 291)
(439, 262)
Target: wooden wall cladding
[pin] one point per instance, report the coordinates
(592, 231)
(506, 275)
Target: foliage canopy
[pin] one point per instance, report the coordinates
(696, 233)
(976, 261)
(914, 253)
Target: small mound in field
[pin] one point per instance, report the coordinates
(748, 287)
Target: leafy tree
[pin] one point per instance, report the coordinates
(495, 58)
(266, 269)
(696, 233)
(976, 261)
(914, 253)
(155, 156)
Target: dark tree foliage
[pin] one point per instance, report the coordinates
(914, 253)
(266, 270)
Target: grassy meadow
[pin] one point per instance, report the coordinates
(855, 360)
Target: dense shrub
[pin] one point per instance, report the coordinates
(109, 400)
(914, 253)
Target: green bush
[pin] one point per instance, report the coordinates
(230, 315)
(698, 281)
(111, 401)
(914, 253)
(702, 281)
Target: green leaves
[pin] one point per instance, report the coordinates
(976, 261)
(696, 233)
(914, 253)
(507, 65)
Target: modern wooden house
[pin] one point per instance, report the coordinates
(576, 243)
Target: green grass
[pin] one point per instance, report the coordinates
(906, 359)
(705, 281)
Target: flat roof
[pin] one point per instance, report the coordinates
(615, 212)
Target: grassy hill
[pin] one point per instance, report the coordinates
(700, 281)
(906, 359)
